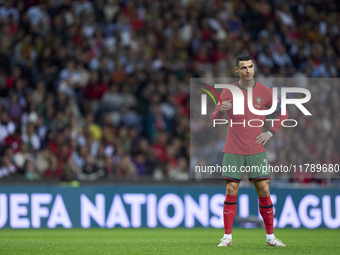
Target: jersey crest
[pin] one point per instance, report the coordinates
(258, 100)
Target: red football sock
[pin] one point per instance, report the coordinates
(266, 210)
(229, 211)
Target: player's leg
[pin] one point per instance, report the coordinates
(265, 205)
(232, 178)
(261, 183)
(266, 211)
(230, 206)
(229, 211)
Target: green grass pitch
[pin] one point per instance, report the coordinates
(164, 241)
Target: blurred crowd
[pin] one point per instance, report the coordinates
(100, 89)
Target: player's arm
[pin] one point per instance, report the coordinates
(279, 119)
(221, 109)
(276, 125)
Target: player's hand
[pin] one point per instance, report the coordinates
(263, 138)
(226, 106)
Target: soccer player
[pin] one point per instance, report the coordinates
(244, 146)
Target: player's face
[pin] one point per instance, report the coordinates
(245, 69)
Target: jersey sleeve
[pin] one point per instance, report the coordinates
(225, 96)
(279, 118)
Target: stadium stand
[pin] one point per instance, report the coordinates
(99, 90)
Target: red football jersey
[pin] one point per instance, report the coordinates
(241, 138)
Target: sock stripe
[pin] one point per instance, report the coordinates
(266, 206)
(230, 203)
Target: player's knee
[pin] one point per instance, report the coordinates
(264, 191)
(232, 189)
(262, 188)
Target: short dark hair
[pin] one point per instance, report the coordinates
(242, 57)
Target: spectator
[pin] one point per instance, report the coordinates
(70, 79)
(43, 161)
(93, 92)
(8, 9)
(139, 162)
(38, 14)
(181, 172)
(83, 5)
(90, 171)
(110, 10)
(14, 77)
(157, 122)
(92, 129)
(30, 170)
(7, 167)
(7, 127)
(126, 169)
(14, 107)
(13, 141)
(24, 52)
(70, 171)
(31, 138)
(112, 100)
(79, 156)
(21, 157)
(38, 95)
